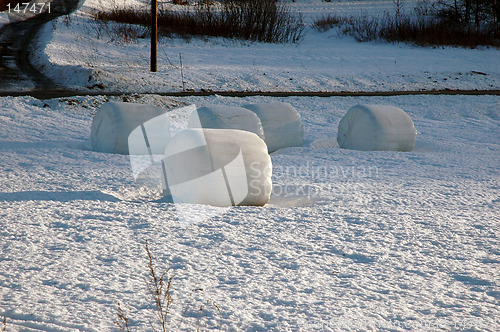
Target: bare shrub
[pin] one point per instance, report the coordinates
(128, 33)
(180, 2)
(362, 28)
(325, 23)
(254, 20)
(427, 26)
(159, 286)
(129, 15)
(122, 322)
(470, 12)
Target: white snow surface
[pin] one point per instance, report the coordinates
(351, 240)
(78, 52)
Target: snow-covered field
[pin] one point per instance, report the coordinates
(80, 56)
(351, 241)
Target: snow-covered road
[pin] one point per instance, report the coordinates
(16, 47)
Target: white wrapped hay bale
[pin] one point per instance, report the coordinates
(115, 121)
(219, 167)
(376, 128)
(226, 117)
(282, 124)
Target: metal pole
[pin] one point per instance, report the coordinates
(154, 34)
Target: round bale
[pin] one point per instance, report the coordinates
(376, 128)
(219, 167)
(115, 121)
(226, 117)
(282, 124)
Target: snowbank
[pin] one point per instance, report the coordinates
(220, 167)
(115, 121)
(226, 117)
(376, 127)
(282, 124)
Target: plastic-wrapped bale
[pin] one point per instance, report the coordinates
(226, 117)
(282, 124)
(115, 121)
(219, 167)
(376, 128)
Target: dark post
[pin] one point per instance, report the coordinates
(154, 34)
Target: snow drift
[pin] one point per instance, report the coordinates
(376, 128)
(115, 121)
(226, 117)
(282, 124)
(219, 167)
